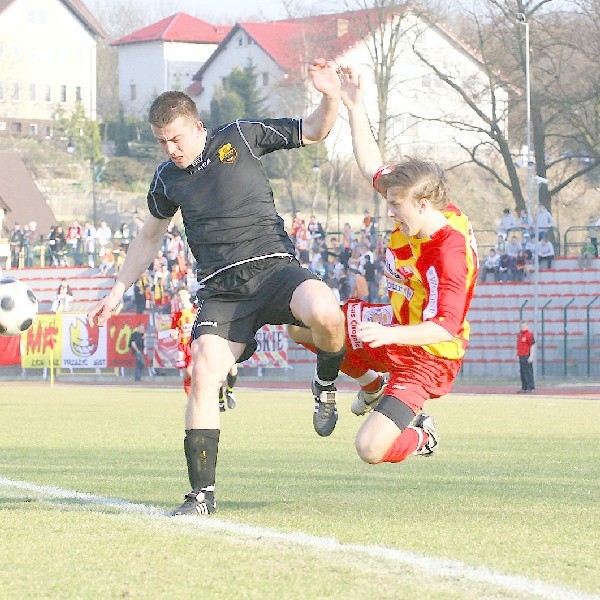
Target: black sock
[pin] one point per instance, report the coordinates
(328, 364)
(231, 379)
(201, 447)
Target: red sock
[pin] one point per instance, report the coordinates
(187, 386)
(406, 443)
(373, 386)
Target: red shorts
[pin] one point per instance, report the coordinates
(415, 375)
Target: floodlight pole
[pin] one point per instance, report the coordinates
(522, 18)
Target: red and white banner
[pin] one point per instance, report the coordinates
(165, 349)
(74, 344)
(272, 348)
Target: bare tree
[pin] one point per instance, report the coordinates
(563, 124)
(383, 22)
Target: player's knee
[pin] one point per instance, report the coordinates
(327, 316)
(203, 373)
(368, 446)
(368, 451)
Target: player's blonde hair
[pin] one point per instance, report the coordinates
(170, 105)
(423, 179)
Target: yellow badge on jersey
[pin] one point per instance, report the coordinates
(227, 153)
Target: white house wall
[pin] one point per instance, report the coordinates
(416, 96)
(240, 49)
(155, 67)
(43, 47)
(142, 66)
(184, 60)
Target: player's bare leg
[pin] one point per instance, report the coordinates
(212, 358)
(397, 435)
(314, 304)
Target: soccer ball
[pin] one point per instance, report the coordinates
(18, 307)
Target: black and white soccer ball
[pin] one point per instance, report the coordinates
(18, 307)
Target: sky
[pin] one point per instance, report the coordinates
(218, 11)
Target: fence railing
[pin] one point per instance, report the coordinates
(487, 238)
(574, 238)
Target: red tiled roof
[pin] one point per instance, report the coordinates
(195, 89)
(291, 43)
(179, 27)
(294, 42)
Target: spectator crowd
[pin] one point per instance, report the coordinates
(512, 256)
(350, 261)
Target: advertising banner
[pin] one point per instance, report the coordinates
(41, 341)
(119, 330)
(272, 348)
(83, 346)
(165, 348)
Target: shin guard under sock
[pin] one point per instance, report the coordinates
(345, 367)
(328, 364)
(201, 447)
(231, 379)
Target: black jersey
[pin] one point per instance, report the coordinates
(225, 197)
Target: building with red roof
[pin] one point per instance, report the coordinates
(163, 56)
(418, 98)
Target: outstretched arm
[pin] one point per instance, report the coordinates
(317, 125)
(366, 150)
(141, 252)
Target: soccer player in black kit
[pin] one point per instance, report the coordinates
(247, 272)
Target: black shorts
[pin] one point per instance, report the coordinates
(239, 301)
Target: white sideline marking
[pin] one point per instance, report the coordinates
(439, 567)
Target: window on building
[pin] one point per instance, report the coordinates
(33, 129)
(241, 41)
(42, 17)
(78, 93)
(48, 132)
(265, 79)
(48, 93)
(2, 125)
(63, 93)
(1, 91)
(16, 91)
(133, 91)
(32, 92)
(16, 127)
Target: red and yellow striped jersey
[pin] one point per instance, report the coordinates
(432, 279)
(183, 321)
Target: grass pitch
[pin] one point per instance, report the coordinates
(514, 490)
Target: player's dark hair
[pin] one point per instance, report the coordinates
(170, 105)
(424, 179)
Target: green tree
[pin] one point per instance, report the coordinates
(122, 135)
(237, 96)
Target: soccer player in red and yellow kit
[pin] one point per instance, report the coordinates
(431, 268)
(182, 321)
